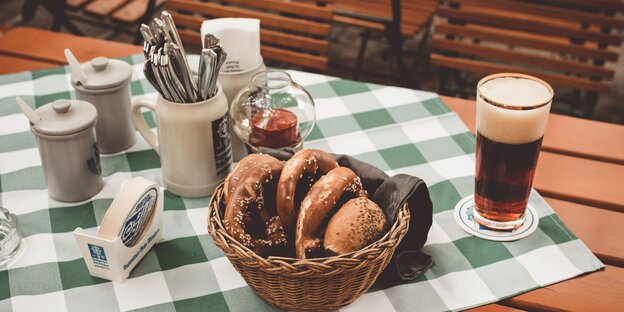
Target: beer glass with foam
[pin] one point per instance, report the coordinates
(512, 111)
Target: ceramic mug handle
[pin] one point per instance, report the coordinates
(141, 124)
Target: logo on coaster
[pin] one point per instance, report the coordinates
(99, 256)
(138, 218)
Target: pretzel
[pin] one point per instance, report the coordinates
(310, 163)
(318, 203)
(241, 170)
(268, 234)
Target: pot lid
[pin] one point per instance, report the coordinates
(63, 117)
(104, 73)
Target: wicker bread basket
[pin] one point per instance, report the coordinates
(311, 284)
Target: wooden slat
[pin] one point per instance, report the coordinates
(580, 180)
(489, 68)
(104, 7)
(599, 291)
(523, 39)
(559, 24)
(585, 138)
(266, 35)
(133, 11)
(300, 9)
(302, 59)
(37, 44)
(190, 37)
(605, 4)
(188, 21)
(547, 11)
(290, 40)
(380, 10)
(493, 307)
(600, 229)
(557, 27)
(410, 30)
(74, 4)
(543, 26)
(340, 19)
(267, 19)
(523, 58)
(12, 64)
(406, 29)
(324, 2)
(564, 134)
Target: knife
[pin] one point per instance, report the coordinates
(207, 60)
(183, 72)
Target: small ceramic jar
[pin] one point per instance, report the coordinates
(107, 86)
(69, 152)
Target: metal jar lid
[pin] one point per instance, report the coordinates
(105, 73)
(63, 117)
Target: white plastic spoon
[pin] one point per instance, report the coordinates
(32, 116)
(77, 72)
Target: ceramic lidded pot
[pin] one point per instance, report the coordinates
(65, 134)
(107, 86)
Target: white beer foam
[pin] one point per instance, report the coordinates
(513, 126)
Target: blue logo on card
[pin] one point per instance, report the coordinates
(99, 256)
(139, 218)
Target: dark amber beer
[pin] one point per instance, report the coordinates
(512, 111)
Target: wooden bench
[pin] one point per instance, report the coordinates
(565, 42)
(395, 19)
(120, 16)
(376, 14)
(292, 33)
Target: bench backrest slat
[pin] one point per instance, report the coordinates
(553, 39)
(291, 32)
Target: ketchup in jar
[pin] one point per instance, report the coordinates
(274, 128)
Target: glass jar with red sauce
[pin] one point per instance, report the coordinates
(273, 111)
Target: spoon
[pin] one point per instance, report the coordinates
(32, 116)
(77, 72)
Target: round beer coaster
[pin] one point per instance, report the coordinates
(464, 216)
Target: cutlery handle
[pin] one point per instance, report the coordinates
(172, 29)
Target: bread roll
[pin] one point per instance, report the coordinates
(358, 223)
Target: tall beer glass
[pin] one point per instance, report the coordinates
(512, 111)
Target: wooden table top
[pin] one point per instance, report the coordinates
(580, 173)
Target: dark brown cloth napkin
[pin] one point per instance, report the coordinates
(391, 193)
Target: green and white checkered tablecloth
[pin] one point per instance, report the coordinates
(398, 130)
